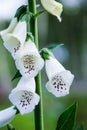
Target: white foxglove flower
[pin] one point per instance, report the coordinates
(17, 38)
(10, 29)
(60, 79)
(53, 7)
(7, 115)
(28, 60)
(24, 96)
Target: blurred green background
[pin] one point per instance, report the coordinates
(72, 31)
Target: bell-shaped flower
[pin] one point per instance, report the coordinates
(7, 115)
(60, 79)
(53, 7)
(10, 29)
(28, 60)
(24, 96)
(13, 40)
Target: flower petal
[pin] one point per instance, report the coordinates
(25, 84)
(52, 67)
(28, 60)
(20, 31)
(7, 115)
(12, 44)
(9, 29)
(24, 100)
(53, 7)
(59, 84)
(13, 41)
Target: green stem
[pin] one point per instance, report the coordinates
(38, 113)
(28, 18)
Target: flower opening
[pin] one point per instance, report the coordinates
(10, 29)
(60, 79)
(60, 83)
(24, 96)
(29, 61)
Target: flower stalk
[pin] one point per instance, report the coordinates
(38, 113)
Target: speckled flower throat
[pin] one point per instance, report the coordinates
(25, 99)
(29, 63)
(59, 83)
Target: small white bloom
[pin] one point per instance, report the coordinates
(25, 83)
(10, 29)
(7, 115)
(53, 7)
(28, 60)
(24, 96)
(60, 79)
(17, 38)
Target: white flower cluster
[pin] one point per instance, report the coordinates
(29, 62)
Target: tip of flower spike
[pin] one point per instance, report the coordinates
(58, 11)
(60, 83)
(53, 7)
(59, 18)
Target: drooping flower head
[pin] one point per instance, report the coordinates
(28, 60)
(60, 79)
(24, 96)
(7, 115)
(14, 36)
(53, 7)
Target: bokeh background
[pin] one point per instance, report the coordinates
(72, 32)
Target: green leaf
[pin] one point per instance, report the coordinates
(21, 10)
(80, 127)
(66, 120)
(39, 13)
(53, 46)
(10, 127)
(17, 75)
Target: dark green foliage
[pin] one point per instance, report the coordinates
(66, 120)
(51, 47)
(39, 13)
(17, 75)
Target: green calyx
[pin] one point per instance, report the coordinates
(30, 36)
(46, 53)
(17, 111)
(21, 11)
